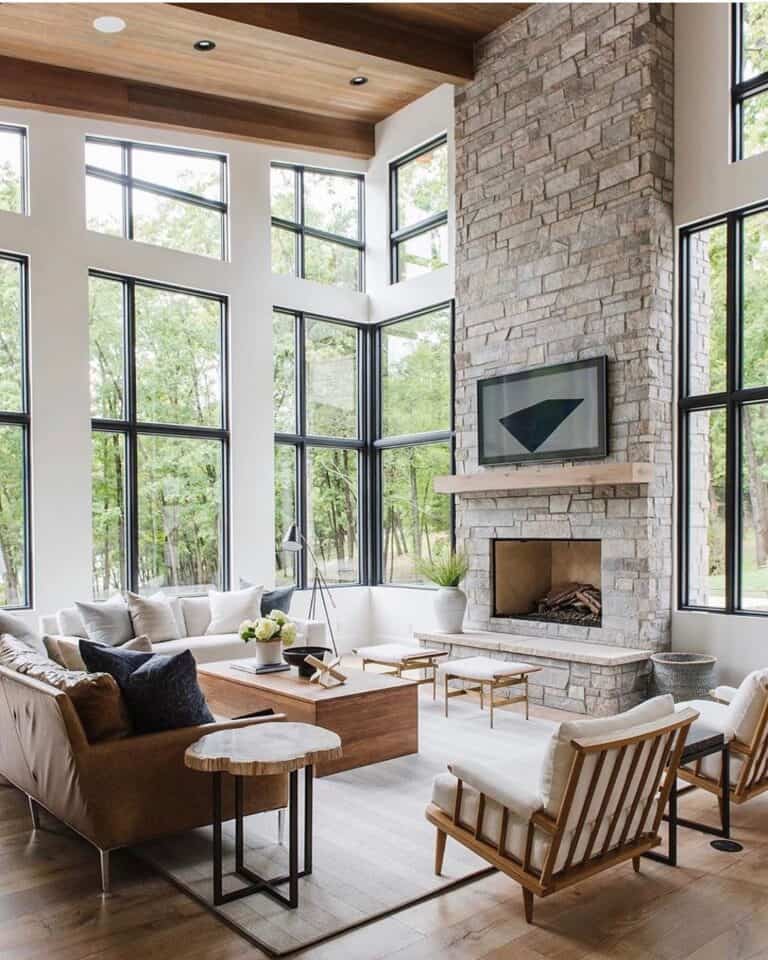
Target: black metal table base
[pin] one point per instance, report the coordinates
(255, 883)
(696, 751)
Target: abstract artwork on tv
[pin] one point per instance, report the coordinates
(553, 413)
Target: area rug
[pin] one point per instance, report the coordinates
(373, 848)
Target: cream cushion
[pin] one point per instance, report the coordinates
(153, 617)
(210, 647)
(560, 753)
(484, 668)
(744, 710)
(66, 650)
(109, 622)
(395, 653)
(229, 608)
(71, 623)
(715, 717)
(197, 615)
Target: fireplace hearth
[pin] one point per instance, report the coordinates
(556, 581)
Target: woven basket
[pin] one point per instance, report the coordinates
(687, 676)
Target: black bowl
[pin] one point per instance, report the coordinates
(295, 656)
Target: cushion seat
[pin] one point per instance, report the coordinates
(209, 647)
(396, 653)
(715, 716)
(484, 668)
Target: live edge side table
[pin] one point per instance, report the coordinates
(262, 749)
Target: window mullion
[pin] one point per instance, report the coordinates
(733, 378)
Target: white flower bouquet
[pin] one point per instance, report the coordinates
(275, 626)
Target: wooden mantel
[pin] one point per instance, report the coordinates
(528, 478)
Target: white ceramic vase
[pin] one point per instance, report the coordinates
(450, 606)
(265, 653)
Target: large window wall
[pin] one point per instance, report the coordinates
(15, 561)
(723, 403)
(363, 423)
(160, 436)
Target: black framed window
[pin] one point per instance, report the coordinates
(317, 225)
(363, 423)
(165, 196)
(15, 540)
(749, 87)
(419, 211)
(158, 372)
(723, 414)
(13, 168)
(319, 445)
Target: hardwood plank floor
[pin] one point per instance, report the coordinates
(713, 907)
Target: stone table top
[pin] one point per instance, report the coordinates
(264, 748)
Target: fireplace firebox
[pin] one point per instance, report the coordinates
(557, 581)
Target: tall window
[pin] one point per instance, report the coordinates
(414, 441)
(13, 169)
(724, 414)
(363, 499)
(750, 79)
(160, 436)
(317, 225)
(419, 211)
(161, 195)
(319, 445)
(15, 589)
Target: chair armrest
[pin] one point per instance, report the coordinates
(521, 800)
(723, 694)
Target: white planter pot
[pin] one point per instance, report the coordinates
(450, 606)
(267, 653)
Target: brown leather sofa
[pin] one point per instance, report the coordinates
(115, 793)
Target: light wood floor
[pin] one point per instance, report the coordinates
(713, 907)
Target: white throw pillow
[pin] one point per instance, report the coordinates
(71, 623)
(108, 623)
(557, 764)
(153, 617)
(228, 610)
(743, 712)
(197, 615)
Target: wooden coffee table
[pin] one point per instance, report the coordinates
(377, 717)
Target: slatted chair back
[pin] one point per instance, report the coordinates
(752, 778)
(615, 796)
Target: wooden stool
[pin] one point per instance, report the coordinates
(402, 657)
(496, 673)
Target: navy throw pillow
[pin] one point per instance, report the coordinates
(277, 599)
(160, 690)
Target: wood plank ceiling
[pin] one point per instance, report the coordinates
(279, 73)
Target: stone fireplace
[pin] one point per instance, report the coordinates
(551, 581)
(564, 251)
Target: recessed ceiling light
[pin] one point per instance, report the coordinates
(205, 45)
(358, 81)
(109, 24)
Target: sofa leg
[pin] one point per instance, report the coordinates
(636, 864)
(34, 813)
(280, 826)
(528, 905)
(439, 852)
(106, 884)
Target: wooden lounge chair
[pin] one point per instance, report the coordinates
(591, 796)
(741, 715)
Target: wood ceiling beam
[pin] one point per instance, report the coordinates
(49, 87)
(356, 27)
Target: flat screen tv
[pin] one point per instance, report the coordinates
(553, 413)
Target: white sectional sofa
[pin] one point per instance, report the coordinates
(193, 617)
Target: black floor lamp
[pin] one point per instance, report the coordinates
(294, 541)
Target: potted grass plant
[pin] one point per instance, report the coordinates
(447, 572)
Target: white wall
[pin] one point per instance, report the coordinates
(707, 183)
(61, 251)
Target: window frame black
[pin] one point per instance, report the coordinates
(741, 90)
(368, 444)
(128, 183)
(732, 401)
(301, 231)
(21, 418)
(131, 428)
(23, 135)
(397, 234)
